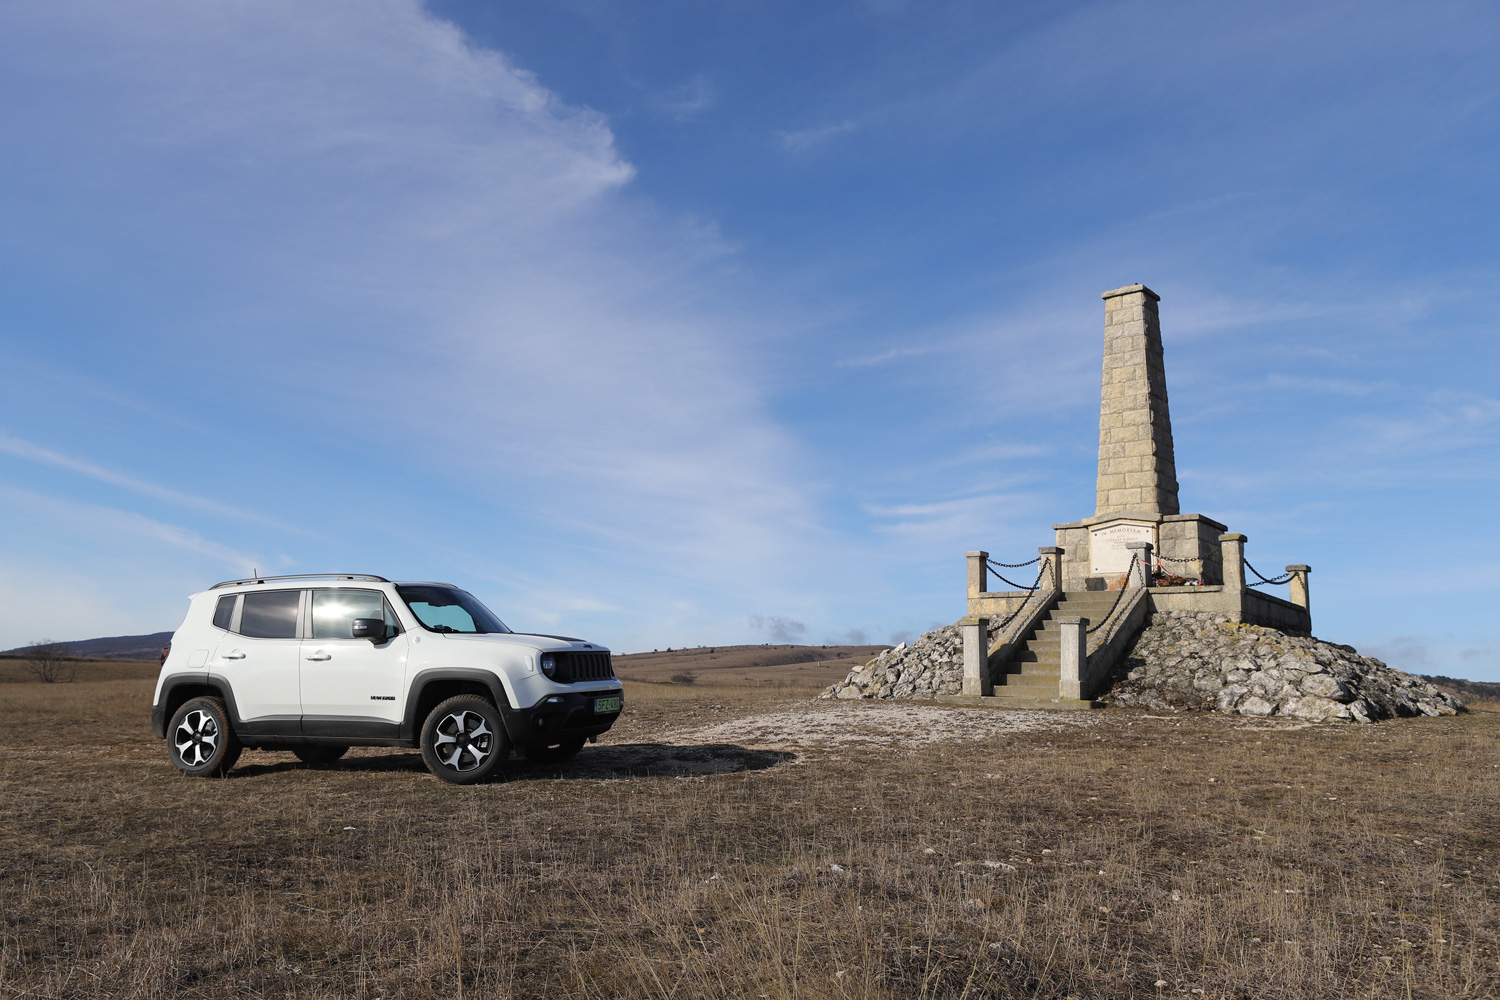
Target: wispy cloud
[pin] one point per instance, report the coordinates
(689, 100)
(19, 448)
(799, 140)
(778, 628)
(887, 356)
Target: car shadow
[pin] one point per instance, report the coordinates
(596, 763)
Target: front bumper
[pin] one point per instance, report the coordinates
(558, 718)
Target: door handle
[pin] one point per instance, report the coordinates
(236, 655)
(319, 656)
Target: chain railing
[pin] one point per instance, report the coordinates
(995, 568)
(1264, 581)
(995, 630)
(1118, 597)
(1183, 561)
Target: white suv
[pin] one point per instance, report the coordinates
(319, 663)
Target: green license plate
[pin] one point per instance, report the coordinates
(602, 705)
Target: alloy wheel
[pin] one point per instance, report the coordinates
(463, 741)
(196, 738)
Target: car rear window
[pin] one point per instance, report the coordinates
(270, 614)
(224, 611)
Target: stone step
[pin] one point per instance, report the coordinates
(1040, 672)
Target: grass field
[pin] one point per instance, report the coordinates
(731, 838)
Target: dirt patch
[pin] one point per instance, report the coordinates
(824, 726)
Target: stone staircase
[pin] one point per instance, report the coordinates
(1030, 677)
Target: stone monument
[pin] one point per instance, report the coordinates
(1137, 561)
(1137, 554)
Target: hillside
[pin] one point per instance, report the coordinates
(117, 647)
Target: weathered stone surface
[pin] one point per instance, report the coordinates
(930, 666)
(1192, 660)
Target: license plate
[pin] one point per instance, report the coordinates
(602, 705)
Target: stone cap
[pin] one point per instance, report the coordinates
(977, 555)
(1128, 289)
(1299, 568)
(1195, 517)
(1072, 620)
(1051, 550)
(1233, 537)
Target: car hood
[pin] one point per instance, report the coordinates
(545, 643)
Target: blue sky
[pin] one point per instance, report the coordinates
(689, 323)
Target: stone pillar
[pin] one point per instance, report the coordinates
(976, 636)
(978, 573)
(1299, 594)
(1073, 657)
(1137, 468)
(1142, 553)
(1232, 551)
(1052, 563)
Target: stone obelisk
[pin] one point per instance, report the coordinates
(1137, 471)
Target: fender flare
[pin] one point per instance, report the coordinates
(411, 725)
(216, 683)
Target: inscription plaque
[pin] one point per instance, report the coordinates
(1107, 552)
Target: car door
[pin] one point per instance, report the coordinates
(345, 680)
(259, 658)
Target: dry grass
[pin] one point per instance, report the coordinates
(746, 666)
(1013, 857)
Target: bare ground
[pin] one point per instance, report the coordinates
(727, 841)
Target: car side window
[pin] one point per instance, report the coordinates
(334, 611)
(224, 611)
(270, 614)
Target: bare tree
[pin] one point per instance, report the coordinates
(48, 661)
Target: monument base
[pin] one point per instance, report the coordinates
(1096, 558)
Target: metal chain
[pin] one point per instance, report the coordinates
(1175, 560)
(1264, 580)
(1023, 565)
(994, 629)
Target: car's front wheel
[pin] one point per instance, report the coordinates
(200, 740)
(464, 741)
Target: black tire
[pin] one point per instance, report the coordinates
(556, 753)
(464, 740)
(317, 755)
(200, 740)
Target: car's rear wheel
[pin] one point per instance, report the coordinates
(200, 740)
(317, 754)
(464, 741)
(555, 753)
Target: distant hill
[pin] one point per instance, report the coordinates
(118, 647)
(1466, 690)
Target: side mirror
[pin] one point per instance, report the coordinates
(369, 628)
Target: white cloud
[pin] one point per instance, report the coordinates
(358, 181)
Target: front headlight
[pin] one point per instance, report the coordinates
(549, 665)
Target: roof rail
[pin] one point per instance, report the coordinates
(304, 576)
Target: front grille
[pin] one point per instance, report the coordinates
(573, 667)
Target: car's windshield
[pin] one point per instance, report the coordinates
(448, 609)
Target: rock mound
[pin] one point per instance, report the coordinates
(1193, 660)
(930, 666)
